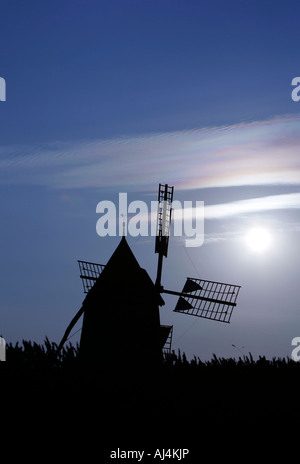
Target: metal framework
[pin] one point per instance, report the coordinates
(163, 225)
(168, 332)
(207, 299)
(89, 273)
(164, 213)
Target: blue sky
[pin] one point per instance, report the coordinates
(116, 96)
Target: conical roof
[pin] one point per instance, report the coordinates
(122, 268)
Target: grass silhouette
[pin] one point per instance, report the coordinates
(219, 391)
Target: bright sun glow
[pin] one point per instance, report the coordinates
(258, 239)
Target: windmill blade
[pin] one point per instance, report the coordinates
(163, 225)
(89, 273)
(164, 213)
(166, 332)
(207, 299)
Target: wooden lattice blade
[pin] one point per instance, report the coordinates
(166, 332)
(207, 299)
(89, 273)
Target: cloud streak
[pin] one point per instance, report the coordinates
(258, 153)
(253, 205)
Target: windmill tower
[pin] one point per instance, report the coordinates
(121, 308)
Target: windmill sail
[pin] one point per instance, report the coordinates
(89, 273)
(166, 332)
(164, 213)
(207, 299)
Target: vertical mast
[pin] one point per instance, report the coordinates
(164, 212)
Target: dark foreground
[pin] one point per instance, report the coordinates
(180, 404)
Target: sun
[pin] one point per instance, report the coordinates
(259, 239)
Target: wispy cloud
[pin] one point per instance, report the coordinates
(253, 205)
(258, 153)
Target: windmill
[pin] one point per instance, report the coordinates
(122, 303)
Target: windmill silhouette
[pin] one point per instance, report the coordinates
(121, 309)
